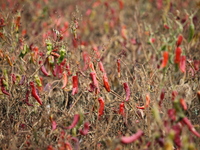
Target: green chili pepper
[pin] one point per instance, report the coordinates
(24, 51)
(37, 80)
(62, 54)
(49, 47)
(191, 31)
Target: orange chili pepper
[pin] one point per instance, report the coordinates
(64, 80)
(177, 55)
(165, 59)
(183, 104)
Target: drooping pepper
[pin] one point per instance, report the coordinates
(105, 82)
(94, 81)
(127, 90)
(182, 64)
(64, 80)
(177, 58)
(101, 107)
(165, 59)
(75, 85)
(101, 67)
(43, 69)
(3, 89)
(34, 92)
(122, 109)
(74, 122)
(179, 40)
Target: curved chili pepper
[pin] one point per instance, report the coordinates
(105, 82)
(13, 78)
(43, 69)
(179, 40)
(64, 80)
(4, 90)
(187, 122)
(34, 93)
(75, 121)
(55, 54)
(133, 138)
(121, 109)
(165, 59)
(75, 85)
(127, 90)
(101, 107)
(85, 130)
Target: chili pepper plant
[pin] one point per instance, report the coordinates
(100, 74)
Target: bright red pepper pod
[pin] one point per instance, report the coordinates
(101, 107)
(179, 40)
(105, 82)
(122, 109)
(75, 85)
(177, 58)
(34, 92)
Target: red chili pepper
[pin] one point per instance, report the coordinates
(58, 70)
(101, 67)
(43, 69)
(187, 122)
(182, 64)
(101, 107)
(166, 26)
(34, 93)
(85, 130)
(133, 138)
(179, 40)
(121, 4)
(105, 82)
(13, 78)
(122, 109)
(118, 67)
(94, 80)
(183, 104)
(75, 85)
(127, 90)
(177, 55)
(75, 121)
(64, 80)
(165, 59)
(162, 96)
